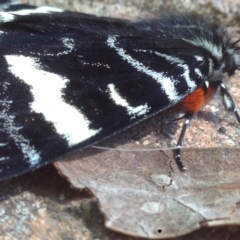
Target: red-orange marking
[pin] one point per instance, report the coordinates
(196, 100)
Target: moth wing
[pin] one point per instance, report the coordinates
(69, 80)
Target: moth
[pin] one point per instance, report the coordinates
(69, 80)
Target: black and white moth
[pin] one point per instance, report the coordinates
(69, 80)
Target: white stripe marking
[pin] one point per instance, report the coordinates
(47, 89)
(119, 100)
(211, 66)
(69, 44)
(43, 9)
(166, 83)
(180, 63)
(9, 16)
(3, 158)
(227, 101)
(6, 17)
(198, 58)
(223, 86)
(198, 72)
(206, 84)
(215, 50)
(29, 152)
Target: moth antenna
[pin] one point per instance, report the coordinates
(133, 149)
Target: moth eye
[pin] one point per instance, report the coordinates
(230, 65)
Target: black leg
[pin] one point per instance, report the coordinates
(229, 106)
(228, 101)
(177, 155)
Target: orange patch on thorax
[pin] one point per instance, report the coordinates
(196, 100)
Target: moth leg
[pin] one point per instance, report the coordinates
(177, 152)
(228, 100)
(228, 104)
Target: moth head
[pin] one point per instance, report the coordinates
(232, 59)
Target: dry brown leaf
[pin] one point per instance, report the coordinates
(140, 195)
